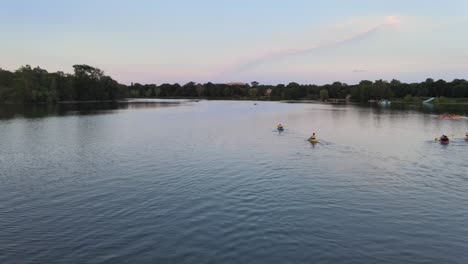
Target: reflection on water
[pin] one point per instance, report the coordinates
(214, 181)
(426, 108)
(9, 111)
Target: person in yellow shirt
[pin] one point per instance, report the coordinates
(313, 138)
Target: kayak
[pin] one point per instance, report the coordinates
(466, 138)
(313, 140)
(444, 142)
(280, 129)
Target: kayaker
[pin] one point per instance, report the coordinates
(444, 138)
(280, 126)
(313, 137)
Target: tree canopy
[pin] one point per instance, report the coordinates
(36, 85)
(87, 83)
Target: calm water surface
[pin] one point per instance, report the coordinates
(211, 182)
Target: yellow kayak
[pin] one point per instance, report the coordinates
(313, 140)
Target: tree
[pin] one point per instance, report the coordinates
(323, 95)
(334, 89)
(7, 83)
(86, 81)
(90, 83)
(36, 85)
(228, 91)
(440, 87)
(408, 98)
(295, 91)
(381, 89)
(365, 82)
(459, 91)
(157, 91)
(189, 90)
(52, 96)
(362, 91)
(253, 92)
(200, 90)
(87, 71)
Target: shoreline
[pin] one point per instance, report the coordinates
(447, 101)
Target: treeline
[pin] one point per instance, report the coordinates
(362, 92)
(36, 85)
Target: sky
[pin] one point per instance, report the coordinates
(269, 41)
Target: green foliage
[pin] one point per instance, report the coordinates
(323, 95)
(87, 83)
(35, 85)
(408, 98)
(253, 92)
(294, 91)
(459, 90)
(440, 100)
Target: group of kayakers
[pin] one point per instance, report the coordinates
(444, 139)
(312, 139)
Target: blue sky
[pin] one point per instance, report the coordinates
(221, 41)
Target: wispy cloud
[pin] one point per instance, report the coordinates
(290, 52)
(359, 70)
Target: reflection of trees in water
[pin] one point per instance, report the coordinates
(10, 111)
(422, 108)
(138, 105)
(434, 109)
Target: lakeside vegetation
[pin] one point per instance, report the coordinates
(29, 85)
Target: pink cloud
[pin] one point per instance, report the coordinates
(289, 52)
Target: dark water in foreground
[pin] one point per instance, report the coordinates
(210, 182)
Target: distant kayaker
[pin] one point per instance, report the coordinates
(444, 138)
(313, 137)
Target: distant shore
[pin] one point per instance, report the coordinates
(442, 101)
(396, 101)
(87, 84)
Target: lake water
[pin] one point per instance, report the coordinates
(213, 182)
